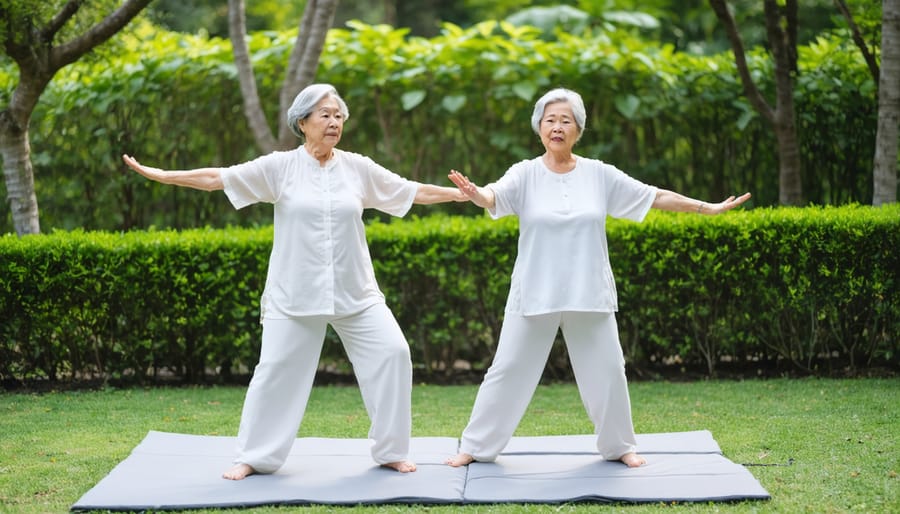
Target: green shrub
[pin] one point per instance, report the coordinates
(460, 100)
(806, 290)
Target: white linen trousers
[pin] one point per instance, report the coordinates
(592, 340)
(282, 381)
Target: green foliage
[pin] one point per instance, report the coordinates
(85, 304)
(813, 291)
(793, 286)
(461, 100)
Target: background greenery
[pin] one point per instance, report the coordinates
(777, 290)
(461, 99)
(841, 435)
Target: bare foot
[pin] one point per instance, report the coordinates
(633, 460)
(403, 466)
(239, 472)
(461, 459)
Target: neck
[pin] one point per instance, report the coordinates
(559, 162)
(320, 153)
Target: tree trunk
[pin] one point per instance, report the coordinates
(302, 64)
(29, 43)
(304, 60)
(237, 30)
(885, 169)
(19, 175)
(790, 188)
(781, 30)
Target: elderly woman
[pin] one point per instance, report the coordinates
(562, 279)
(320, 273)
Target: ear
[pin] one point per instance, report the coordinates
(300, 123)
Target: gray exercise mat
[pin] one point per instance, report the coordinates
(176, 471)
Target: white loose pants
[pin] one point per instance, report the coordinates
(283, 379)
(592, 340)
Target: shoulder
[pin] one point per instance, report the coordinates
(524, 166)
(353, 159)
(594, 164)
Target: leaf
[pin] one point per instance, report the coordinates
(627, 105)
(745, 119)
(453, 103)
(525, 90)
(411, 99)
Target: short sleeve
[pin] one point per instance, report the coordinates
(386, 191)
(253, 181)
(627, 197)
(508, 192)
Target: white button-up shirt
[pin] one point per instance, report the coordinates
(320, 262)
(563, 261)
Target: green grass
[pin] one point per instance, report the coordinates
(842, 435)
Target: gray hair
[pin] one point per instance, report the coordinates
(559, 95)
(307, 99)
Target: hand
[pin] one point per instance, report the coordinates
(147, 171)
(483, 198)
(730, 203)
(466, 187)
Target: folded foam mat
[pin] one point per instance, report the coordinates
(176, 471)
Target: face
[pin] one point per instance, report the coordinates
(558, 128)
(324, 125)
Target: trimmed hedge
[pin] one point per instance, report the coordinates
(807, 290)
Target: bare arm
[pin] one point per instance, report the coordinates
(670, 201)
(480, 196)
(430, 194)
(206, 179)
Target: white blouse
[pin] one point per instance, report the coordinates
(563, 261)
(320, 262)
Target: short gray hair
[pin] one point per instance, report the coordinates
(559, 95)
(307, 99)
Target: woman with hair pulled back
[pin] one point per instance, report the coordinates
(562, 279)
(320, 273)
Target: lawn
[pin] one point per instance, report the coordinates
(840, 435)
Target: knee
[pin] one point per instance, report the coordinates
(397, 350)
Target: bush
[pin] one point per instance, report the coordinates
(798, 290)
(460, 100)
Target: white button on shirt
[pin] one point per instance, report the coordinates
(563, 260)
(320, 262)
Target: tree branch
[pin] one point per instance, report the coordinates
(69, 52)
(737, 46)
(317, 19)
(858, 38)
(62, 17)
(237, 30)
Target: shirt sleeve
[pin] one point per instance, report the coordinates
(386, 191)
(253, 181)
(508, 192)
(627, 197)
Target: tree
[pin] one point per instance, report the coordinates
(317, 18)
(34, 37)
(781, 34)
(884, 171)
(885, 168)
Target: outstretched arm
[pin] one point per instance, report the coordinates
(206, 179)
(480, 196)
(670, 201)
(428, 194)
